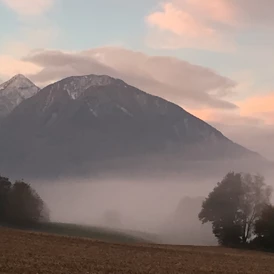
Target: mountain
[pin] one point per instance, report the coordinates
(93, 124)
(14, 91)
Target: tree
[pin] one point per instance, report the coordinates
(264, 229)
(25, 206)
(256, 197)
(5, 186)
(234, 206)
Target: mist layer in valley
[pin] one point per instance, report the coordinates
(166, 209)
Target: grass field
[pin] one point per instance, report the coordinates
(29, 252)
(98, 233)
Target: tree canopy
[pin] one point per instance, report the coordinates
(264, 229)
(234, 206)
(20, 204)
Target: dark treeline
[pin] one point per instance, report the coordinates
(20, 205)
(240, 212)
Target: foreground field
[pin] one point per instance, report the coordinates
(92, 232)
(25, 252)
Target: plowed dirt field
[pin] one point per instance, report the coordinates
(34, 253)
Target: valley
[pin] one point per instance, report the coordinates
(136, 137)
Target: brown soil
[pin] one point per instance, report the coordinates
(34, 253)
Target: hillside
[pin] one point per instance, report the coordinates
(34, 253)
(93, 232)
(92, 124)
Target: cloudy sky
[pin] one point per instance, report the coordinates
(215, 58)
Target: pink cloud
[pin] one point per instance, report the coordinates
(179, 22)
(29, 7)
(253, 110)
(206, 24)
(188, 23)
(252, 129)
(167, 77)
(216, 10)
(14, 66)
(259, 106)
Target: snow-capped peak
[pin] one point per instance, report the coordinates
(19, 84)
(19, 76)
(14, 91)
(76, 85)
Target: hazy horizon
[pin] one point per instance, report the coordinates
(150, 206)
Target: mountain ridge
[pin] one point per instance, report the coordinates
(81, 121)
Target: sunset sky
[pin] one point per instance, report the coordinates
(215, 58)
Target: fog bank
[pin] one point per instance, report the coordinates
(168, 208)
(146, 206)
